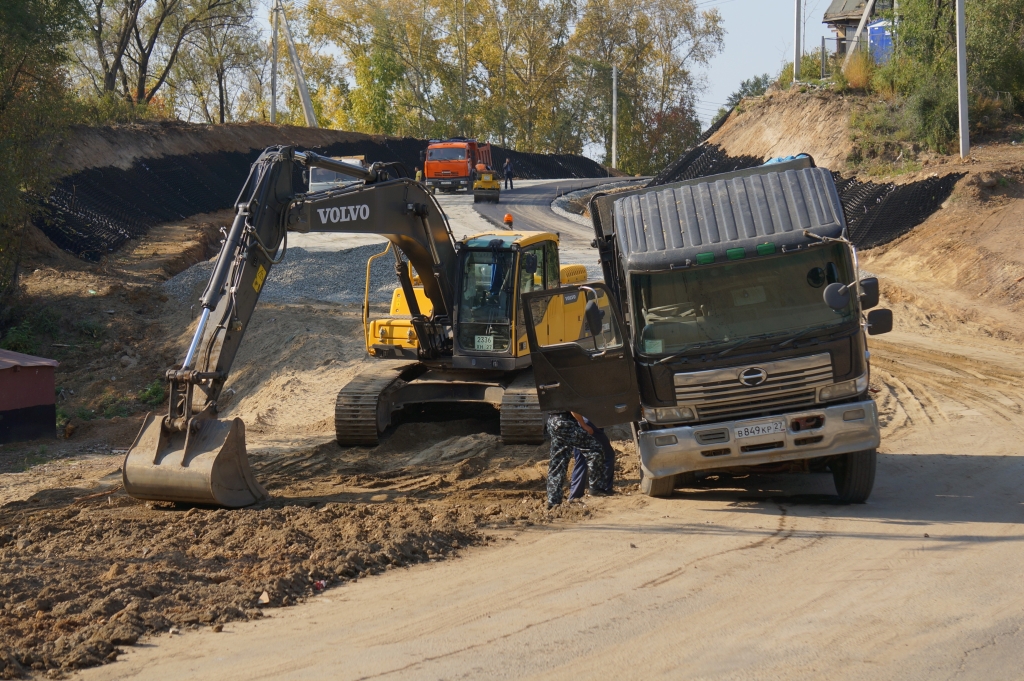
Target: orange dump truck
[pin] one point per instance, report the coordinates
(449, 165)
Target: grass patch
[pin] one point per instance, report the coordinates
(35, 326)
(112, 406)
(84, 414)
(154, 394)
(34, 459)
(19, 339)
(91, 329)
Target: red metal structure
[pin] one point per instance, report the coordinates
(27, 405)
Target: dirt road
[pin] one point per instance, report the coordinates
(753, 578)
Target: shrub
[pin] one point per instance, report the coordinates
(113, 406)
(89, 328)
(19, 339)
(154, 394)
(859, 70)
(985, 114)
(932, 114)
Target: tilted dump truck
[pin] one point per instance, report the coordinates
(736, 337)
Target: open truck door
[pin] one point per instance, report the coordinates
(577, 369)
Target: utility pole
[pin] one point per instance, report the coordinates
(615, 116)
(860, 29)
(300, 77)
(823, 74)
(273, 69)
(796, 43)
(961, 78)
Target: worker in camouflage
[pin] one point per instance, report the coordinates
(567, 433)
(578, 483)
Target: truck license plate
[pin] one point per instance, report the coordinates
(763, 428)
(446, 182)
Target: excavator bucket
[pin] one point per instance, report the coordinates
(206, 464)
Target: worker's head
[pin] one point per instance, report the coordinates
(508, 218)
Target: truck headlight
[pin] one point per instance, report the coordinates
(668, 414)
(838, 391)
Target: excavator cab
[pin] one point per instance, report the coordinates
(494, 270)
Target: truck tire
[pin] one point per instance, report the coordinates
(854, 475)
(656, 487)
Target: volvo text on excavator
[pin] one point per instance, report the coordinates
(455, 332)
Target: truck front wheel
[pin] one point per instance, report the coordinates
(656, 487)
(854, 475)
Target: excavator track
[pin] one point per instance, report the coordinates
(360, 414)
(522, 421)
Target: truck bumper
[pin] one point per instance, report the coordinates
(448, 183)
(850, 427)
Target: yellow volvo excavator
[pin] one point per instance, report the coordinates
(455, 332)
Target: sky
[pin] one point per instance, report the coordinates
(759, 39)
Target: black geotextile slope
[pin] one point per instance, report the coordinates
(875, 213)
(93, 212)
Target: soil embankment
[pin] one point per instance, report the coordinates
(789, 123)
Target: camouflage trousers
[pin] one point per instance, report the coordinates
(566, 434)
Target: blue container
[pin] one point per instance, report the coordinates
(880, 40)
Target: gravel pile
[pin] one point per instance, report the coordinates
(337, 277)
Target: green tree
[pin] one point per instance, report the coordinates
(35, 108)
(752, 87)
(377, 74)
(216, 63)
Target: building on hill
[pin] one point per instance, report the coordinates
(843, 16)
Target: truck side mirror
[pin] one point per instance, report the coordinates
(868, 293)
(836, 295)
(879, 322)
(530, 263)
(423, 156)
(595, 318)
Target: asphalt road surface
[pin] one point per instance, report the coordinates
(530, 206)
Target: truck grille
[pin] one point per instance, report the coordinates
(790, 384)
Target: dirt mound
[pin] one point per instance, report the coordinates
(121, 146)
(789, 123)
(88, 571)
(963, 266)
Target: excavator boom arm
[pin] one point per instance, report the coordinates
(398, 209)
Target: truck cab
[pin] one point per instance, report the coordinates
(449, 165)
(321, 179)
(737, 334)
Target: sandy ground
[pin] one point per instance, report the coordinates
(755, 577)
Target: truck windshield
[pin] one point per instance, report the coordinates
(762, 297)
(486, 303)
(446, 154)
